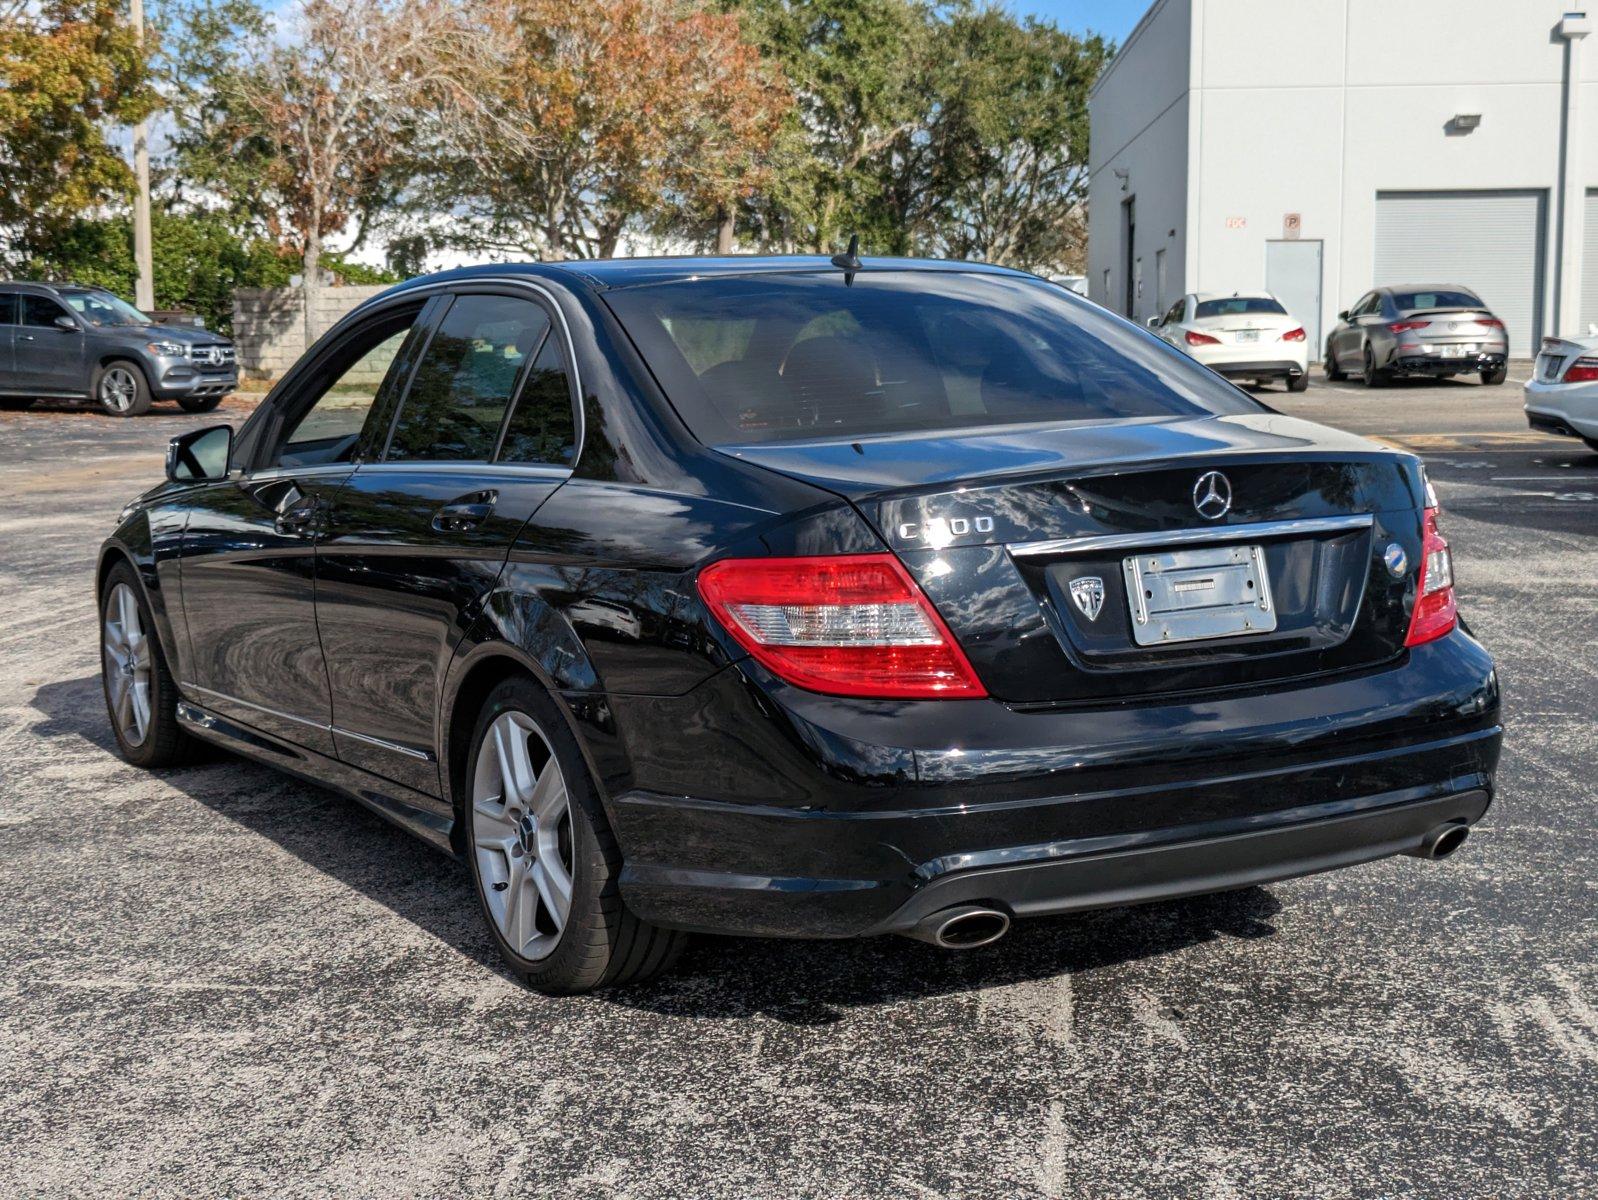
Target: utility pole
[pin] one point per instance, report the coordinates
(143, 254)
(1573, 28)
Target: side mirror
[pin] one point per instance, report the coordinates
(203, 454)
(1153, 322)
(67, 325)
(1343, 315)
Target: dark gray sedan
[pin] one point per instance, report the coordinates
(1434, 330)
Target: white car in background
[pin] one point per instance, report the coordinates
(1562, 396)
(1246, 335)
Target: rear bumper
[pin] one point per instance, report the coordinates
(1258, 369)
(1036, 812)
(1432, 364)
(1565, 408)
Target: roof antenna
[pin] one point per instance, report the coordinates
(849, 261)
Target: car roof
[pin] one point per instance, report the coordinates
(610, 273)
(47, 289)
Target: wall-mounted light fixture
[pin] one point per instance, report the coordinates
(1465, 122)
(1124, 176)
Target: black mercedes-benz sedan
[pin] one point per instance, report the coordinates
(802, 597)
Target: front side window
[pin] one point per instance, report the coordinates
(1237, 306)
(40, 311)
(466, 379)
(345, 392)
(8, 308)
(803, 355)
(102, 308)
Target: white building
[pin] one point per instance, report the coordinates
(1318, 148)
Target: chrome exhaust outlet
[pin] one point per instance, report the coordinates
(1442, 841)
(962, 927)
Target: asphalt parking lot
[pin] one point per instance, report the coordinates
(218, 981)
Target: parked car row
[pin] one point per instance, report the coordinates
(1430, 330)
(66, 342)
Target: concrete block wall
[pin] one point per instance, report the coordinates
(269, 325)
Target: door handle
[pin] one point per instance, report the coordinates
(465, 513)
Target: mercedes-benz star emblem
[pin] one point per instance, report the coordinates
(1212, 495)
(1087, 594)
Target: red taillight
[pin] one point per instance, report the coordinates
(1294, 335)
(1201, 339)
(1490, 322)
(1583, 370)
(846, 625)
(1406, 326)
(1435, 611)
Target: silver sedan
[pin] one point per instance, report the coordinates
(1434, 330)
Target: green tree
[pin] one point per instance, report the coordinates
(69, 71)
(1008, 142)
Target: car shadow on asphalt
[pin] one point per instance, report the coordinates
(792, 981)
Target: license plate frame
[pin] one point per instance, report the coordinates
(1178, 596)
(1248, 335)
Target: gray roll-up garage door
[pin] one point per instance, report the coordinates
(1490, 242)
(1589, 267)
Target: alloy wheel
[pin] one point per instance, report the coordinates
(126, 662)
(118, 389)
(522, 835)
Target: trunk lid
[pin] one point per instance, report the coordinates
(1003, 527)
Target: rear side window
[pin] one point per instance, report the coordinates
(1435, 299)
(790, 357)
(1236, 306)
(542, 428)
(8, 308)
(466, 378)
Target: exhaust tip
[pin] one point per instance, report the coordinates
(1442, 841)
(963, 927)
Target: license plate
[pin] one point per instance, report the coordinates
(1188, 595)
(1248, 335)
(1457, 351)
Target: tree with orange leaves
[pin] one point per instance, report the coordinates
(627, 109)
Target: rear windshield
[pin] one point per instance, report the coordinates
(767, 358)
(1435, 299)
(1236, 306)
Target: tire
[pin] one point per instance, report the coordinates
(198, 404)
(597, 943)
(1373, 377)
(15, 403)
(1333, 372)
(139, 665)
(1495, 376)
(1299, 383)
(121, 389)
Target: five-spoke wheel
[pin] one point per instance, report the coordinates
(522, 835)
(125, 659)
(542, 853)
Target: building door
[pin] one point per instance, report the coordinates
(1589, 267)
(1491, 242)
(1128, 242)
(1293, 276)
